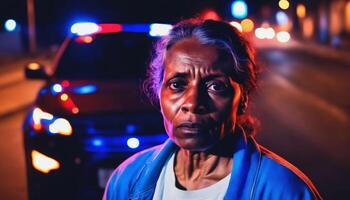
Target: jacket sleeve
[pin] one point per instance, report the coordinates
(278, 179)
(123, 180)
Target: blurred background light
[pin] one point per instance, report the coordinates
(260, 33)
(84, 28)
(269, 33)
(86, 89)
(237, 25)
(247, 25)
(61, 126)
(130, 128)
(84, 39)
(33, 66)
(64, 97)
(347, 16)
(157, 30)
(39, 115)
(239, 9)
(109, 28)
(281, 18)
(283, 36)
(308, 27)
(133, 143)
(10, 25)
(141, 28)
(75, 110)
(301, 11)
(97, 142)
(210, 14)
(65, 83)
(283, 4)
(43, 163)
(265, 33)
(57, 88)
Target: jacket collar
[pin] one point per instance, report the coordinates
(246, 162)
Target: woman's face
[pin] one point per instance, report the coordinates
(198, 99)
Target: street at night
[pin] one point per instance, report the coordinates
(302, 103)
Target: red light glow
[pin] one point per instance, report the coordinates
(65, 83)
(110, 28)
(210, 14)
(75, 110)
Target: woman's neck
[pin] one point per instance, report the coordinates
(196, 170)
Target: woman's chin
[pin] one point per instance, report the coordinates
(193, 145)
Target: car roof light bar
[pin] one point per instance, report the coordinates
(138, 28)
(157, 30)
(84, 28)
(89, 28)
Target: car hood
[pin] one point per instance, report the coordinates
(93, 97)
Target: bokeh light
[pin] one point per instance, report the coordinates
(10, 25)
(281, 18)
(210, 14)
(237, 25)
(283, 36)
(301, 11)
(61, 126)
(283, 4)
(260, 33)
(57, 88)
(247, 25)
(33, 66)
(269, 33)
(133, 143)
(64, 97)
(239, 9)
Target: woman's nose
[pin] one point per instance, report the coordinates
(194, 102)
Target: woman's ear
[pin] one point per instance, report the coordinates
(243, 104)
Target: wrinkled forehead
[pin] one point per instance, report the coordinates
(190, 52)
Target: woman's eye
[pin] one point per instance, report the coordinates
(177, 85)
(217, 87)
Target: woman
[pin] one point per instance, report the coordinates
(201, 76)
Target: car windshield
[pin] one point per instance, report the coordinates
(105, 56)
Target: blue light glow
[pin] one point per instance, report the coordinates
(43, 91)
(157, 30)
(130, 128)
(97, 142)
(133, 143)
(120, 143)
(56, 88)
(239, 9)
(281, 18)
(140, 28)
(84, 28)
(10, 25)
(86, 89)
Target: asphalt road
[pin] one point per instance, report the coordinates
(303, 104)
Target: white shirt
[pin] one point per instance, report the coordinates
(167, 190)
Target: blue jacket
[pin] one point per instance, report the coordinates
(256, 173)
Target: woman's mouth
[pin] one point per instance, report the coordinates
(191, 128)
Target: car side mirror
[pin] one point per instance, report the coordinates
(35, 70)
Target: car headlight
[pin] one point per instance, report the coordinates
(46, 121)
(44, 163)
